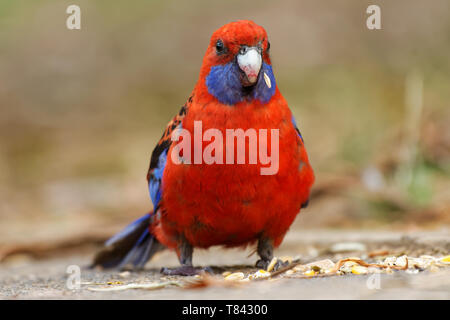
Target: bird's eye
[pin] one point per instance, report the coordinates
(220, 48)
(268, 46)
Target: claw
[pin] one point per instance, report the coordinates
(262, 264)
(280, 264)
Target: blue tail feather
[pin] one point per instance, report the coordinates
(131, 247)
(128, 230)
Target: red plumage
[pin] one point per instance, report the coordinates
(233, 205)
(203, 205)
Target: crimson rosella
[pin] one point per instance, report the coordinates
(202, 204)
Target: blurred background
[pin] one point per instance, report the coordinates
(81, 110)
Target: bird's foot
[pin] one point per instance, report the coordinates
(280, 265)
(185, 271)
(264, 264)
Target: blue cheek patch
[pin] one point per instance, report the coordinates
(262, 92)
(223, 82)
(154, 184)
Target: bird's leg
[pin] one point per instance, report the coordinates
(265, 252)
(185, 251)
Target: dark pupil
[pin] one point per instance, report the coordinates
(219, 46)
(268, 46)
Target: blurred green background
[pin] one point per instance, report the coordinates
(81, 110)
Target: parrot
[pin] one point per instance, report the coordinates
(201, 205)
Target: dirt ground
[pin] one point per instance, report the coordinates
(24, 278)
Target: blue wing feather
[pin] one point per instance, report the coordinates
(159, 158)
(154, 183)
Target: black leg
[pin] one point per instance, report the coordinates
(265, 252)
(186, 251)
(186, 269)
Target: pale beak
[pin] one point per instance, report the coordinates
(249, 61)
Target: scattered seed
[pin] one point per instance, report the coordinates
(309, 273)
(288, 259)
(359, 270)
(272, 264)
(412, 271)
(259, 274)
(401, 261)
(347, 267)
(316, 268)
(300, 268)
(289, 272)
(267, 80)
(389, 261)
(446, 259)
(325, 264)
(235, 276)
